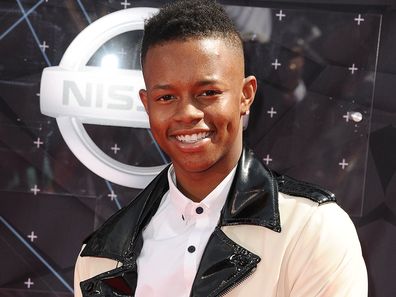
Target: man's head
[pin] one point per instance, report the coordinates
(196, 92)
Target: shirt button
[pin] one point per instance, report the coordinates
(199, 210)
(191, 249)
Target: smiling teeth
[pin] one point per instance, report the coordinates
(193, 137)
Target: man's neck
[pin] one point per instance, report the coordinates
(197, 185)
(197, 188)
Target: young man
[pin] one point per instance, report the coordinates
(216, 221)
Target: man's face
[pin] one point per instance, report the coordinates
(196, 94)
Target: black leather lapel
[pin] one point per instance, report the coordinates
(120, 282)
(119, 238)
(253, 197)
(224, 264)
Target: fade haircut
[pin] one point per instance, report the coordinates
(183, 19)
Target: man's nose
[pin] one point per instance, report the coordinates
(188, 110)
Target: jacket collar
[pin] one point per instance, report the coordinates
(253, 199)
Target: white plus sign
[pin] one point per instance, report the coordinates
(276, 64)
(38, 142)
(125, 4)
(267, 159)
(353, 68)
(35, 190)
(343, 164)
(28, 283)
(272, 112)
(347, 116)
(280, 15)
(44, 46)
(359, 19)
(112, 195)
(115, 148)
(32, 236)
(122, 52)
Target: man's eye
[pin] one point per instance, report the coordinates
(166, 98)
(210, 93)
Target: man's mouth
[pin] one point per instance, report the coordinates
(192, 138)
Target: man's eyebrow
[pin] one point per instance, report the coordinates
(162, 87)
(206, 82)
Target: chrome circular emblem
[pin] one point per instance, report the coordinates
(76, 94)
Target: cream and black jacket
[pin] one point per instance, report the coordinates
(276, 237)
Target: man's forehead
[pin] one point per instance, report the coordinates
(213, 44)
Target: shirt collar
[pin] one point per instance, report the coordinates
(212, 203)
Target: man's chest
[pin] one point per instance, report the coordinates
(173, 244)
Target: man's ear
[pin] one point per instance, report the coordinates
(248, 92)
(143, 98)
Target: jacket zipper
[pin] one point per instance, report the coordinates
(237, 283)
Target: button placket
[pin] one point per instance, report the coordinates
(192, 248)
(190, 260)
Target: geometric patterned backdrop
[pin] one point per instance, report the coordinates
(325, 112)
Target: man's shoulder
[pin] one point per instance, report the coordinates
(308, 216)
(300, 200)
(309, 209)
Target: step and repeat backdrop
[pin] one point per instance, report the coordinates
(324, 113)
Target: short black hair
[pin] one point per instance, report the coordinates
(183, 19)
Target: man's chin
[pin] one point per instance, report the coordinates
(193, 166)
